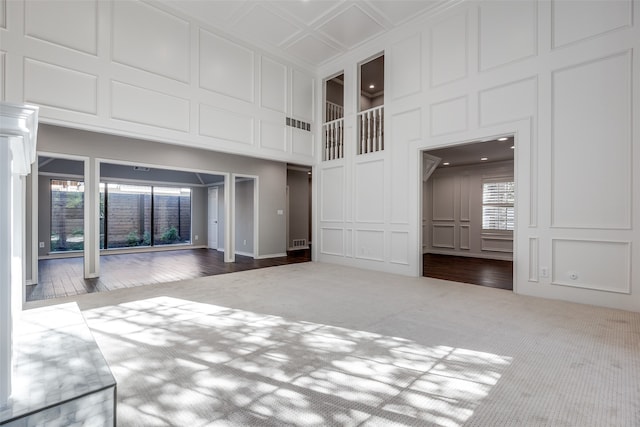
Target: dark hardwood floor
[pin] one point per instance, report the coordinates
(64, 276)
(477, 271)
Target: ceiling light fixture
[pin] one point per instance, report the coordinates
(504, 138)
(483, 158)
(513, 147)
(446, 164)
(372, 86)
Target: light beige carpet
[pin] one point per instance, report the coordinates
(323, 345)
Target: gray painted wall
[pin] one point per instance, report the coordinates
(299, 193)
(272, 175)
(244, 216)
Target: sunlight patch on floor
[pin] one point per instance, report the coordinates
(180, 362)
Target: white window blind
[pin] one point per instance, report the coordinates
(498, 212)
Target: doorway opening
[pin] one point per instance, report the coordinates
(468, 212)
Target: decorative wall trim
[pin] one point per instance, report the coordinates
(580, 271)
(534, 264)
(450, 243)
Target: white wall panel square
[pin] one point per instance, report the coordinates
(399, 247)
(369, 191)
(302, 142)
(591, 144)
(405, 70)
(273, 85)
(508, 102)
(140, 105)
(449, 50)
(465, 198)
(578, 20)
(150, 39)
(59, 87)
(370, 244)
(3, 73)
(449, 116)
(226, 67)
(443, 198)
(405, 128)
(534, 259)
(443, 236)
(302, 96)
(224, 124)
(3, 13)
(507, 32)
(331, 241)
(348, 242)
(332, 194)
(496, 243)
(273, 136)
(465, 237)
(72, 24)
(599, 265)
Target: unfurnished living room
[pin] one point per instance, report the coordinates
(319, 213)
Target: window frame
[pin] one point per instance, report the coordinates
(507, 205)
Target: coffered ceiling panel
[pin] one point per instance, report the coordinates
(262, 24)
(351, 27)
(310, 32)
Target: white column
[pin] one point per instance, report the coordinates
(6, 317)
(230, 218)
(18, 130)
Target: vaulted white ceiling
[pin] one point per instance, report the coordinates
(310, 31)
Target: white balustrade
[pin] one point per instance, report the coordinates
(371, 130)
(333, 112)
(333, 140)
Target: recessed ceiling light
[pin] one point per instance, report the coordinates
(513, 146)
(483, 158)
(372, 86)
(446, 164)
(504, 138)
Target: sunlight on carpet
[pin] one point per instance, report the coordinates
(179, 362)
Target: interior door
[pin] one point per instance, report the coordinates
(212, 229)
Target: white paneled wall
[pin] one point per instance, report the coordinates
(564, 78)
(137, 69)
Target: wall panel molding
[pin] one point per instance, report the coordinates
(519, 19)
(3, 74)
(399, 247)
(592, 103)
(465, 237)
(331, 241)
(144, 106)
(150, 39)
(273, 85)
(596, 18)
(370, 191)
(443, 236)
(573, 264)
(449, 53)
(60, 87)
(225, 124)
(534, 257)
(273, 136)
(406, 67)
(449, 116)
(332, 186)
(52, 22)
(226, 67)
(508, 102)
(370, 244)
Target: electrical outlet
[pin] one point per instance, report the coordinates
(244, 242)
(41, 245)
(544, 272)
(195, 237)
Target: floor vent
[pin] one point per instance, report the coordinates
(299, 243)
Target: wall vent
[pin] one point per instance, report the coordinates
(299, 243)
(141, 168)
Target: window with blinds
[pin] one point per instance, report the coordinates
(498, 212)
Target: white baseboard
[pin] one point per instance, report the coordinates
(298, 248)
(270, 256)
